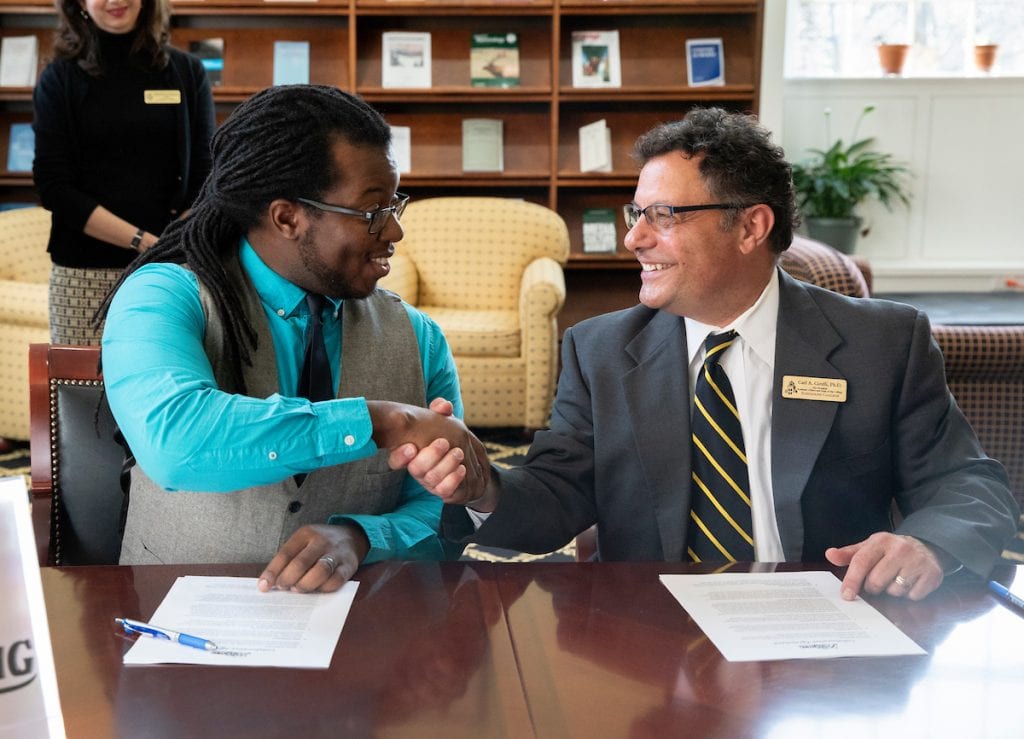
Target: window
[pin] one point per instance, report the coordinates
(837, 38)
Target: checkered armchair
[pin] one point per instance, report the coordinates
(489, 271)
(984, 364)
(24, 309)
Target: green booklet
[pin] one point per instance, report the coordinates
(494, 60)
(599, 230)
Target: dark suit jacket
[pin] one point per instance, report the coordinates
(618, 451)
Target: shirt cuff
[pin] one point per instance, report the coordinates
(478, 517)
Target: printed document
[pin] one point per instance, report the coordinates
(250, 628)
(785, 615)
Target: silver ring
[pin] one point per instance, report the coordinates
(901, 581)
(329, 563)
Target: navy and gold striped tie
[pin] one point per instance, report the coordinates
(720, 528)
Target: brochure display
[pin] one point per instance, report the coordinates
(19, 59)
(599, 230)
(482, 145)
(595, 59)
(210, 52)
(406, 59)
(596, 147)
(21, 148)
(291, 62)
(494, 60)
(705, 62)
(401, 148)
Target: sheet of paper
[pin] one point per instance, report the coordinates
(785, 615)
(250, 628)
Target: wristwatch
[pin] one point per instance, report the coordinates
(137, 239)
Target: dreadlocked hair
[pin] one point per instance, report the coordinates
(277, 144)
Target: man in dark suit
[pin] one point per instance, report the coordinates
(842, 402)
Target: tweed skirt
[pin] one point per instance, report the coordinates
(75, 294)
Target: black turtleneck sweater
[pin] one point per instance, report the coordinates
(99, 143)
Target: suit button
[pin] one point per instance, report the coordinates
(294, 506)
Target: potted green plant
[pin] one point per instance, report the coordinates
(834, 181)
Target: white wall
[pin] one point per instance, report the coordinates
(961, 138)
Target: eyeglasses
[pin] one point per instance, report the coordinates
(660, 216)
(377, 219)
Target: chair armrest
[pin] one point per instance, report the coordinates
(541, 293)
(24, 303)
(403, 279)
(981, 352)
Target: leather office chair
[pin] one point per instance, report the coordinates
(24, 309)
(76, 462)
(489, 272)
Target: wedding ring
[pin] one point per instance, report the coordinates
(329, 563)
(901, 581)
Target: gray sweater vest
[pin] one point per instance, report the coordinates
(380, 360)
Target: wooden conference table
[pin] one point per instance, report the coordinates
(552, 650)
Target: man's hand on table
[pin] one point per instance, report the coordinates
(316, 558)
(902, 566)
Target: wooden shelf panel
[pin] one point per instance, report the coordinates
(249, 55)
(450, 46)
(652, 48)
(455, 94)
(437, 139)
(652, 7)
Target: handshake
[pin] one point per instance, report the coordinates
(437, 449)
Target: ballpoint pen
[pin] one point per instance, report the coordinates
(138, 627)
(1001, 592)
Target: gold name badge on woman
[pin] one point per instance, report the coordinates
(162, 97)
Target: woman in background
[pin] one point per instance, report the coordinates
(123, 125)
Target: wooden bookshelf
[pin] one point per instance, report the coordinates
(541, 116)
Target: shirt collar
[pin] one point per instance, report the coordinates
(275, 291)
(756, 325)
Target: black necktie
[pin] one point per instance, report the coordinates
(315, 380)
(720, 526)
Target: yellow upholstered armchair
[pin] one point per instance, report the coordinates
(24, 316)
(489, 271)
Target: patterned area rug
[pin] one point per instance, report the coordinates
(506, 448)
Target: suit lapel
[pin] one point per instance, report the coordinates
(658, 403)
(804, 341)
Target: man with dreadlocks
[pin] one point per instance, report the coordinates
(205, 338)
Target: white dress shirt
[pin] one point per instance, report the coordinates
(750, 365)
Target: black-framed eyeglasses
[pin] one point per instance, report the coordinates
(661, 216)
(376, 219)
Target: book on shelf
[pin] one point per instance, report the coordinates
(21, 147)
(210, 51)
(401, 148)
(483, 145)
(406, 59)
(599, 230)
(705, 62)
(494, 60)
(19, 60)
(291, 62)
(595, 59)
(596, 147)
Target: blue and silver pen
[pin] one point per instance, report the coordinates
(1002, 593)
(138, 627)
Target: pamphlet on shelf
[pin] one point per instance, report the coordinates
(596, 147)
(482, 145)
(406, 59)
(494, 60)
(401, 148)
(595, 59)
(599, 230)
(705, 62)
(291, 62)
(21, 148)
(19, 59)
(210, 51)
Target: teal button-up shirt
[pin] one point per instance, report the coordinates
(187, 434)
